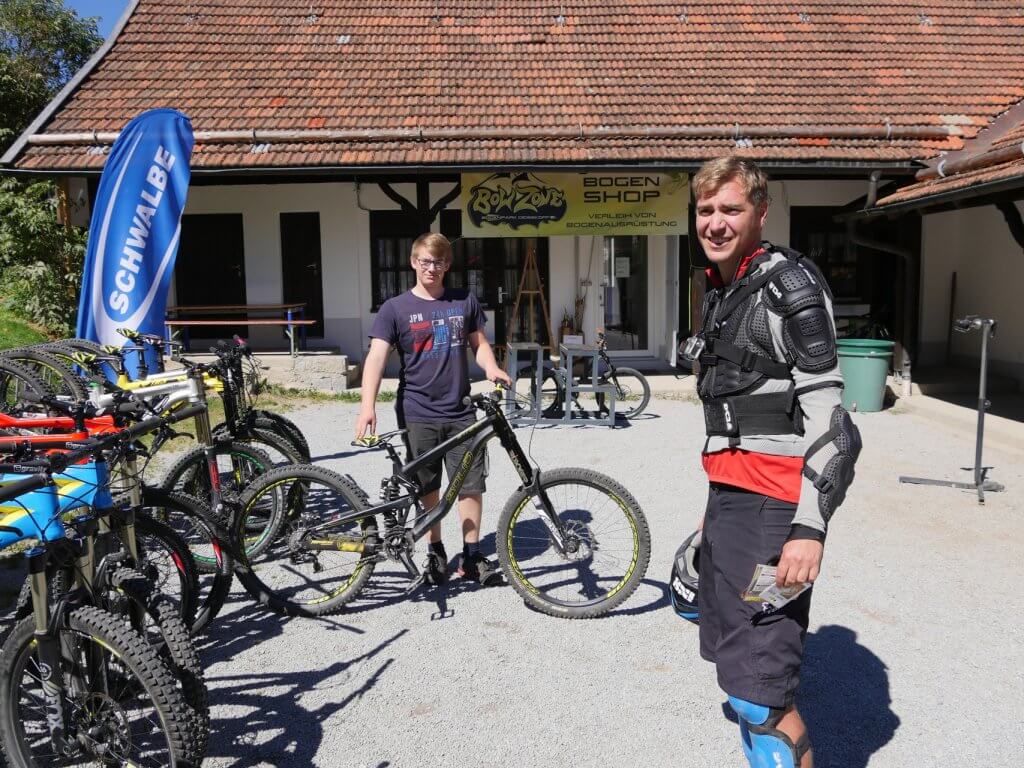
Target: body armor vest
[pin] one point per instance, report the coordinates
(738, 356)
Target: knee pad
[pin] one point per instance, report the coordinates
(763, 743)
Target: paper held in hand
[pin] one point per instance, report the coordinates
(762, 588)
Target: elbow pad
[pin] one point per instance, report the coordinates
(807, 334)
(840, 446)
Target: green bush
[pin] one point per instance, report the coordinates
(40, 258)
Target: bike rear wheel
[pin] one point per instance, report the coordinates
(53, 370)
(631, 390)
(193, 521)
(15, 381)
(238, 465)
(300, 574)
(610, 544)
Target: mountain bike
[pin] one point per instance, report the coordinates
(79, 684)
(632, 390)
(572, 542)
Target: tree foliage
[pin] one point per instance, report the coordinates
(42, 45)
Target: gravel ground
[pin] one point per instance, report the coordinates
(914, 655)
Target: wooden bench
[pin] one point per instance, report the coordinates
(290, 322)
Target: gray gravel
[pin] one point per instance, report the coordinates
(914, 656)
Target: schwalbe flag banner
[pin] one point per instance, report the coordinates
(135, 227)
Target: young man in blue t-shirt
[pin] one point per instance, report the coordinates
(431, 326)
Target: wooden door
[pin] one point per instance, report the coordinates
(210, 268)
(301, 269)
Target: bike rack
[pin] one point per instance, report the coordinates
(987, 326)
(512, 369)
(569, 353)
(572, 389)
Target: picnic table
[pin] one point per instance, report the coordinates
(290, 316)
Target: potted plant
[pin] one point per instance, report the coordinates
(566, 327)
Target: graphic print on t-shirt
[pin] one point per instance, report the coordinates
(445, 330)
(422, 333)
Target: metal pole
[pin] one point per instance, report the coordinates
(982, 401)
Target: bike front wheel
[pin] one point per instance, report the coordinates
(122, 705)
(632, 393)
(607, 544)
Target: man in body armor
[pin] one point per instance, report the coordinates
(779, 453)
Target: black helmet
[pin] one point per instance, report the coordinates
(683, 584)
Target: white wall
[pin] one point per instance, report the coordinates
(344, 234)
(977, 245)
(344, 221)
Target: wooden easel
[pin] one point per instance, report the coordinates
(530, 287)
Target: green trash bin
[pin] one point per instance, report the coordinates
(865, 365)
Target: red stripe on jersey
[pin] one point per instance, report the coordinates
(778, 477)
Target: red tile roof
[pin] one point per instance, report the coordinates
(992, 161)
(612, 67)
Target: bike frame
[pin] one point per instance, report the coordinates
(494, 424)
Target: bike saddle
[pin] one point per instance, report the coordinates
(375, 441)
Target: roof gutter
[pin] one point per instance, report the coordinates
(852, 169)
(984, 160)
(578, 132)
(948, 197)
(57, 101)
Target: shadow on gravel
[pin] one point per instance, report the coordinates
(272, 726)
(234, 631)
(844, 698)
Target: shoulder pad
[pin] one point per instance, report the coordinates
(793, 288)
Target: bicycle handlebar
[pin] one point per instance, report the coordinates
(83, 449)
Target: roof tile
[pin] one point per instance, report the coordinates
(622, 64)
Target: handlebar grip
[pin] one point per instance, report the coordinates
(18, 487)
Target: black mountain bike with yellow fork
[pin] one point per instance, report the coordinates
(572, 542)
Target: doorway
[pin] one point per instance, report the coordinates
(210, 268)
(301, 269)
(625, 281)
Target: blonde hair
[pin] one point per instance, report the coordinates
(436, 245)
(721, 170)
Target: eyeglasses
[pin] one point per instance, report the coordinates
(428, 264)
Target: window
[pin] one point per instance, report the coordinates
(815, 234)
(391, 237)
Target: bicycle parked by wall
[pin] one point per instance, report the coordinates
(632, 390)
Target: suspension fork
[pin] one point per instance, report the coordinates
(48, 651)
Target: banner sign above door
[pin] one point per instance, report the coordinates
(527, 204)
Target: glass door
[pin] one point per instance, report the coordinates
(624, 278)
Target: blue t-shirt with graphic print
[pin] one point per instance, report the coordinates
(431, 338)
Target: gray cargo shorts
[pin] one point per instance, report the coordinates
(756, 649)
(422, 436)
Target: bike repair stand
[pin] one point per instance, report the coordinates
(512, 369)
(591, 355)
(987, 326)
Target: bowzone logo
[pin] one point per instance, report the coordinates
(515, 200)
(128, 285)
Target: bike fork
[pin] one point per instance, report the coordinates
(48, 653)
(547, 515)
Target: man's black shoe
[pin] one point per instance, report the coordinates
(481, 570)
(435, 568)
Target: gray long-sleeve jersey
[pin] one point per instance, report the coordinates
(818, 394)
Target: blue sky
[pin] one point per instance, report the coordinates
(108, 11)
